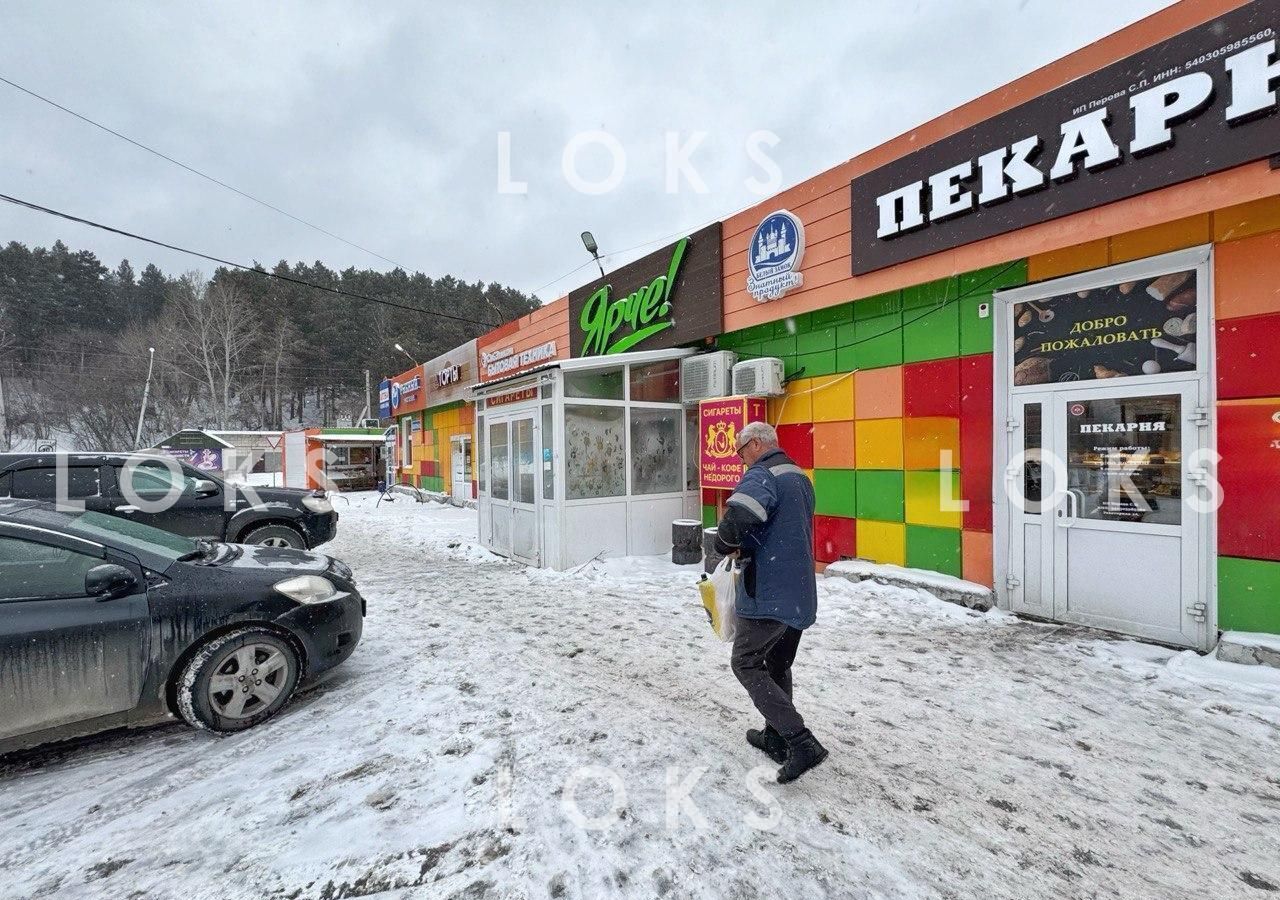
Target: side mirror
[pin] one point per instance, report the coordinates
(203, 487)
(109, 581)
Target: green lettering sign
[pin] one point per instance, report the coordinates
(642, 311)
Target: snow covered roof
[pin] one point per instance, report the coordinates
(612, 361)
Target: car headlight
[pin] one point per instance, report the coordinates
(307, 589)
(317, 504)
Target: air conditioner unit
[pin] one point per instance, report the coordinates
(370, 423)
(706, 376)
(758, 377)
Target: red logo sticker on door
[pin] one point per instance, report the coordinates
(1077, 409)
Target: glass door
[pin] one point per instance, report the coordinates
(524, 490)
(499, 476)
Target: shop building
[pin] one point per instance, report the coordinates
(585, 448)
(447, 424)
(1064, 291)
(333, 459)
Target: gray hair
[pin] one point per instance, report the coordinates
(763, 432)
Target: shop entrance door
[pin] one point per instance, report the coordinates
(1107, 511)
(513, 488)
(460, 459)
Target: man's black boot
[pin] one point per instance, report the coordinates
(803, 753)
(769, 741)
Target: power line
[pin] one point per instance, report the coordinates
(200, 174)
(235, 265)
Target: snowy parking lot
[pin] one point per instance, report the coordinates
(506, 732)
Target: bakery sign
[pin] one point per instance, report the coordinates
(1202, 101)
(666, 299)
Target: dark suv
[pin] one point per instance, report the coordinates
(170, 495)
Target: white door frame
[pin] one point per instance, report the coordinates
(1007, 437)
(509, 508)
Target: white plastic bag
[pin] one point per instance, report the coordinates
(724, 618)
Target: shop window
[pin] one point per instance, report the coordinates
(692, 456)
(522, 446)
(1032, 466)
(499, 462)
(595, 451)
(656, 461)
(594, 385)
(548, 457)
(1124, 459)
(480, 456)
(657, 382)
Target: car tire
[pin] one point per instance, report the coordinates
(214, 692)
(275, 536)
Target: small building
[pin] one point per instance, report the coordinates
(333, 459)
(199, 448)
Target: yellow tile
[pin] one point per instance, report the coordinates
(833, 398)
(1246, 220)
(927, 493)
(879, 444)
(927, 439)
(796, 407)
(1165, 238)
(882, 542)
(1080, 258)
(808, 473)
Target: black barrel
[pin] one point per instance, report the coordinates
(686, 542)
(710, 558)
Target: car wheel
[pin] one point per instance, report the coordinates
(275, 536)
(237, 681)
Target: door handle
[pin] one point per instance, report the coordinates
(1072, 510)
(126, 508)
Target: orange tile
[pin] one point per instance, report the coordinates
(1247, 277)
(927, 439)
(976, 558)
(833, 444)
(1069, 260)
(878, 393)
(1164, 238)
(1246, 220)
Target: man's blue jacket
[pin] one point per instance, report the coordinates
(769, 518)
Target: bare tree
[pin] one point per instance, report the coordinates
(212, 331)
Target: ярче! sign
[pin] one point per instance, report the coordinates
(1203, 101)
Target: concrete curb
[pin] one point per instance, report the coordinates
(944, 587)
(1249, 648)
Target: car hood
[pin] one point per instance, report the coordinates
(280, 494)
(282, 559)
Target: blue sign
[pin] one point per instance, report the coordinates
(774, 256)
(384, 399)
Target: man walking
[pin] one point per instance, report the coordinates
(768, 522)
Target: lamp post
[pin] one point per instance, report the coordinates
(589, 241)
(146, 392)
(406, 353)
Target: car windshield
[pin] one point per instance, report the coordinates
(143, 537)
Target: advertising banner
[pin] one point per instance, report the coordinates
(1144, 327)
(719, 422)
(204, 460)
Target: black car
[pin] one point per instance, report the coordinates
(106, 623)
(168, 494)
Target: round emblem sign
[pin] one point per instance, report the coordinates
(1077, 409)
(395, 394)
(774, 256)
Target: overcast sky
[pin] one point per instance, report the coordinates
(380, 122)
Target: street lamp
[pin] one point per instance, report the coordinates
(406, 353)
(146, 391)
(589, 241)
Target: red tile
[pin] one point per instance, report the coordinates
(797, 442)
(834, 538)
(976, 440)
(1249, 441)
(1248, 357)
(931, 388)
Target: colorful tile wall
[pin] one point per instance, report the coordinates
(834, 538)
(1248, 595)
(882, 542)
(1249, 442)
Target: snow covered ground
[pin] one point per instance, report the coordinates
(505, 732)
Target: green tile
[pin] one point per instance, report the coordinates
(933, 293)
(833, 315)
(816, 341)
(976, 332)
(709, 517)
(729, 340)
(889, 304)
(823, 363)
(779, 346)
(790, 366)
(834, 492)
(993, 278)
(791, 325)
(879, 494)
(1248, 594)
(931, 333)
(846, 334)
(748, 351)
(935, 549)
(846, 359)
(757, 333)
(879, 341)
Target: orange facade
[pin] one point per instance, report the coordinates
(530, 341)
